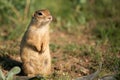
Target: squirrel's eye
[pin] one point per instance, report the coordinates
(39, 13)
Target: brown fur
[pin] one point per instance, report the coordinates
(34, 48)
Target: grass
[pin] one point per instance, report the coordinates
(82, 34)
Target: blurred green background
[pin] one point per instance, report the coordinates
(16, 14)
(100, 18)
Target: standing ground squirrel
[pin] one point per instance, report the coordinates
(34, 48)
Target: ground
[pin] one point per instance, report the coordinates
(70, 53)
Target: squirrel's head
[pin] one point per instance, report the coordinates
(42, 16)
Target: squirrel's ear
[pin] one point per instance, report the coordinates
(34, 14)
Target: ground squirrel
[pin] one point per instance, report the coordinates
(34, 48)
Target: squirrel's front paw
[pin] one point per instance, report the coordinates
(36, 49)
(41, 51)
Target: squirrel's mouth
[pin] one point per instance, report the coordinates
(46, 22)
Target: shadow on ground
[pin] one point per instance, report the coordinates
(8, 63)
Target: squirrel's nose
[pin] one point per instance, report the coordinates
(50, 17)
